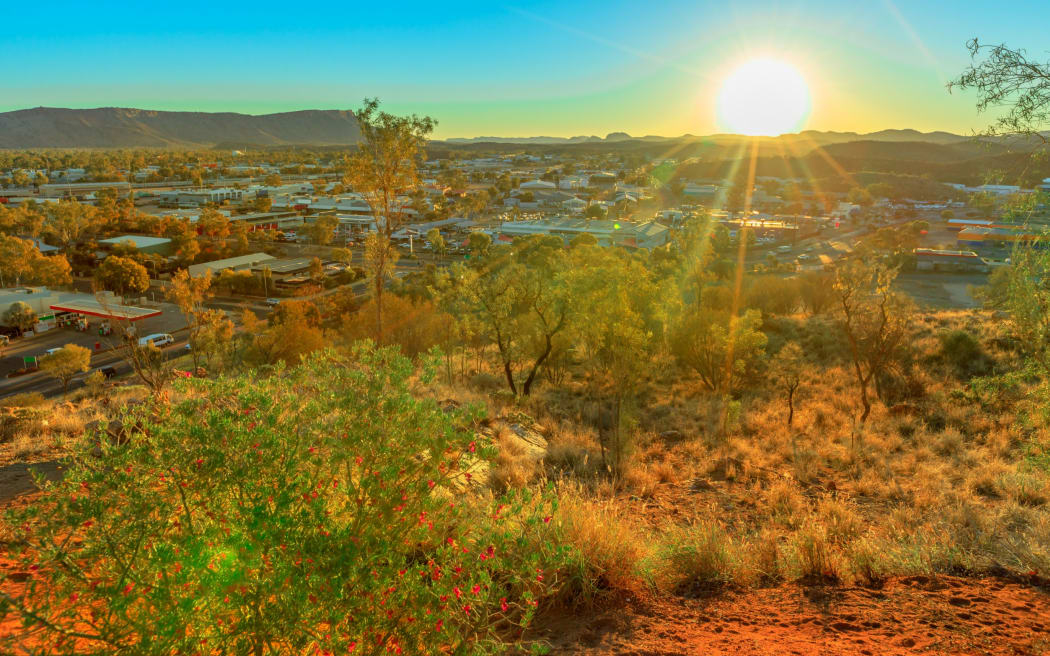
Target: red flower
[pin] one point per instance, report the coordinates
(547, 519)
(466, 609)
(458, 592)
(476, 589)
(503, 604)
(128, 588)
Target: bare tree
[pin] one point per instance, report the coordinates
(875, 320)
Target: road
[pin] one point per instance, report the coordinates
(50, 387)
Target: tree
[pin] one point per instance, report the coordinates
(22, 263)
(68, 222)
(583, 239)
(385, 167)
(21, 316)
(324, 228)
(479, 243)
(617, 308)
(317, 274)
(122, 275)
(214, 224)
(262, 204)
(816, 291)
(518, 297)
(437, 242)
(189, 294)
(261, 515)
(272, 180)
(860, 196)
(594, 212)
(1008, 78)
(724, 351)
(66, 363)
(343, 255)
(786, 368)
(213, 339)
(875, 321)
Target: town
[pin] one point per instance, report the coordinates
(268, 230)
(342, 329)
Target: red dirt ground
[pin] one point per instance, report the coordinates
(917, 615)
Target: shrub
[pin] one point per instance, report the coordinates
(964, 354)
(812, 555)
(312, 511)
(608, 549)
(699, 555)
(24, 400)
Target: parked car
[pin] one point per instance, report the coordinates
(52, 351)
(272, 302)
(158, 340)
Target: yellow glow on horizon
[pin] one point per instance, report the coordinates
(763, 97)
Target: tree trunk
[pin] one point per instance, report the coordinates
(864, 401)
(791, 406)
(509, 373)
(527, 387)
(379, 305)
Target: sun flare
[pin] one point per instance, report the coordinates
(764, 97)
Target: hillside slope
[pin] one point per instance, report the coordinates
(115, 127)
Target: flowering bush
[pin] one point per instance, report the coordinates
(322, 510)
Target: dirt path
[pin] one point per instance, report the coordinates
(943, 615)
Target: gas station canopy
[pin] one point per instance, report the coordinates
(106, 311)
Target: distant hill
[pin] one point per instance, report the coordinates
(115, 127)
(808, 137)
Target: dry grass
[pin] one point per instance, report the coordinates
(932, 485)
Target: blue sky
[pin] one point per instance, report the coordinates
(512, 70)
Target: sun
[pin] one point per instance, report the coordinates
(764, 97)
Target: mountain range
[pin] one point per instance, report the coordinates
(812, 137)
(117, 127)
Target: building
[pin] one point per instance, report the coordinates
(54, 308)
(142, 243)
(996, 236)
(608, 232)
(277, 220)
(931, 259)
(241, 263)
(537, 185)
(199, 197)
(81, 189)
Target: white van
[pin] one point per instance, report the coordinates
(157, 339)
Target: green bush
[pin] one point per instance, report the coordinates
(964, 354)
(323, 509)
